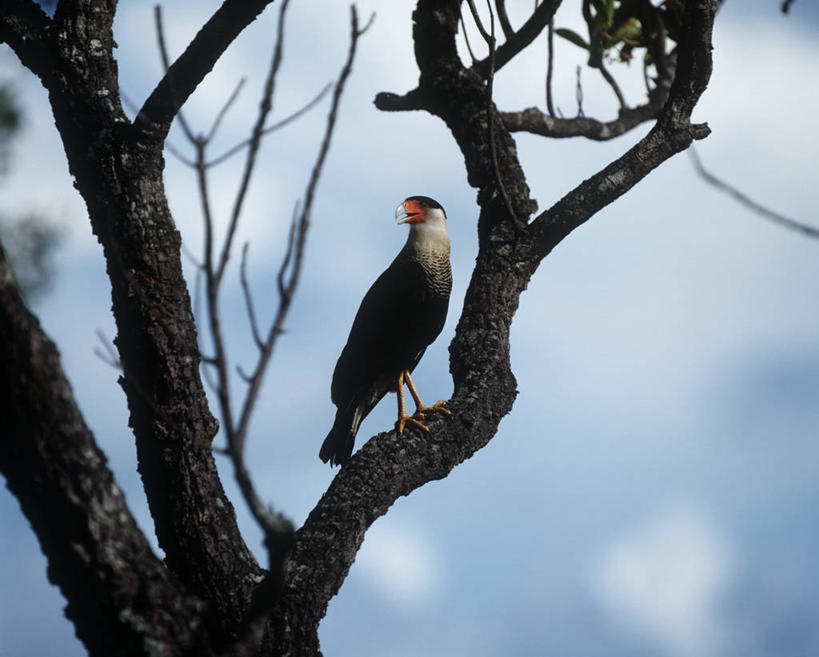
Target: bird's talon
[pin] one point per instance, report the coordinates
(412, 420)
(437, 407)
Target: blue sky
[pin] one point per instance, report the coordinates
(654, 490)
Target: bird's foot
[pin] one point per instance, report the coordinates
(399, 425)
(437, 407)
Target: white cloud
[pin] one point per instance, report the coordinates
(664, 582)
(401, 564)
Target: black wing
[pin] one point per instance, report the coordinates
(398, 318)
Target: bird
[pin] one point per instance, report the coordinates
(400, 316)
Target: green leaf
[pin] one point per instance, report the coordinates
(571, 35)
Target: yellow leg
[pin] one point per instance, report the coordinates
(403, 418)
(420, 407)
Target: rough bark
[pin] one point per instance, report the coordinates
(120, 596)
(118, 171)
(207, 594)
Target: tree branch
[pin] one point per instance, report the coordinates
(185, 74)
(24, 26)
(550, 61)
(672, 133)
(503, 18)
(271, 128)
(166, 65)
(609, 78)
(253, 144)
(536, 122)
(96, 553)
(120, 179)
(742, 198)
(527, 33)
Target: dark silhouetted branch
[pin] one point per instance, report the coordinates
(251, 311)
(527, 33)
(742, 198)
(185, 74)
(614, 86)
(223, 112)
(550, 62)
(166, 64)
(503, 19)
(24, 27)
(97, 554)
(535, 121)
(491, 111)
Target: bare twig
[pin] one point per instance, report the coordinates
(503, 18)
(535, 121)
(173, 150)
(523, 37)
(251, 312)
(154, 119)
(107, 354)
(296, 244)
(549, 69)
(278, 529)
(646, 79)
(761, 210)
(224, 110)
(613, 84)
(466, 40)
(271, 128)
(578, 91)
(491, 112)
(191, 258)
(288, 255)
(253, 147)
(479, 24)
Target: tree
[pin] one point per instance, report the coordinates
(210, 595)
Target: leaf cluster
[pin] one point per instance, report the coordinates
(617, 28)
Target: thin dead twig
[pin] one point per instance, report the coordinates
(609, 78)
(271, 128)
(108, 354)
(780, 219)
(491, 112)
(255, 140)
(278, 530)
(550, 68)
(222, 112)
(251, 311)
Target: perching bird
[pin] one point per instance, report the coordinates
(399, 317)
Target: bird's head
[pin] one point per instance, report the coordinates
(418, 210)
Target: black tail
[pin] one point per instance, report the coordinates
(338, 445)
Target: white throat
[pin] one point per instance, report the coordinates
(430, 235)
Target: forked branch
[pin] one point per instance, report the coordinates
(185, 74)
(278, 529)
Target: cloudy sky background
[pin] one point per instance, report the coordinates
(655, 489)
